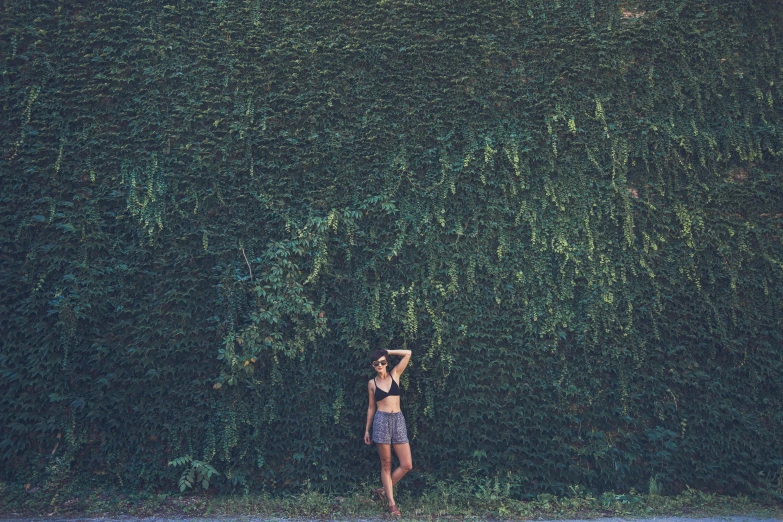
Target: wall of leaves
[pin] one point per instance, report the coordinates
(570, 210)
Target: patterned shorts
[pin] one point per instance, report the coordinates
(389, 428)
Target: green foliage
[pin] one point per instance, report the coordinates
(196, 473)
(444, 499)
(212, 210)
(653, 489)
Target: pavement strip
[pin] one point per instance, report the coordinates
(246, 518)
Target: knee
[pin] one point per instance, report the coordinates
(407, 466)
(386, 466)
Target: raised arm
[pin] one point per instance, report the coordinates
(406, 357)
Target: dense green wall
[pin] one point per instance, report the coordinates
(569, 210)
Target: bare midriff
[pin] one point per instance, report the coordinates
(390, 404)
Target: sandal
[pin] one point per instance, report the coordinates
(381, 494)
(394, 511)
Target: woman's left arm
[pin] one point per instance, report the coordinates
(406, 356)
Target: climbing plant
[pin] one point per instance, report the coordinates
(570, 211)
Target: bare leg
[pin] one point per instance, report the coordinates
(384, 451)
(403, 452)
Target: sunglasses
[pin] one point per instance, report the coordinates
(379, 363)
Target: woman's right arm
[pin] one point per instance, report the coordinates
(370, 412)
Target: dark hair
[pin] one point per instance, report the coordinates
(377, 354)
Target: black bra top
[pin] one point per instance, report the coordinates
(380, 394)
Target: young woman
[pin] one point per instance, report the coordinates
(388, 424)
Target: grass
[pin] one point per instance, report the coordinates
(441, 502)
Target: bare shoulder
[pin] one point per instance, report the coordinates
(371, 384)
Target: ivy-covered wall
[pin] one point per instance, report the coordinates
(570, 210)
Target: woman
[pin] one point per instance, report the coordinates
(388, 424)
